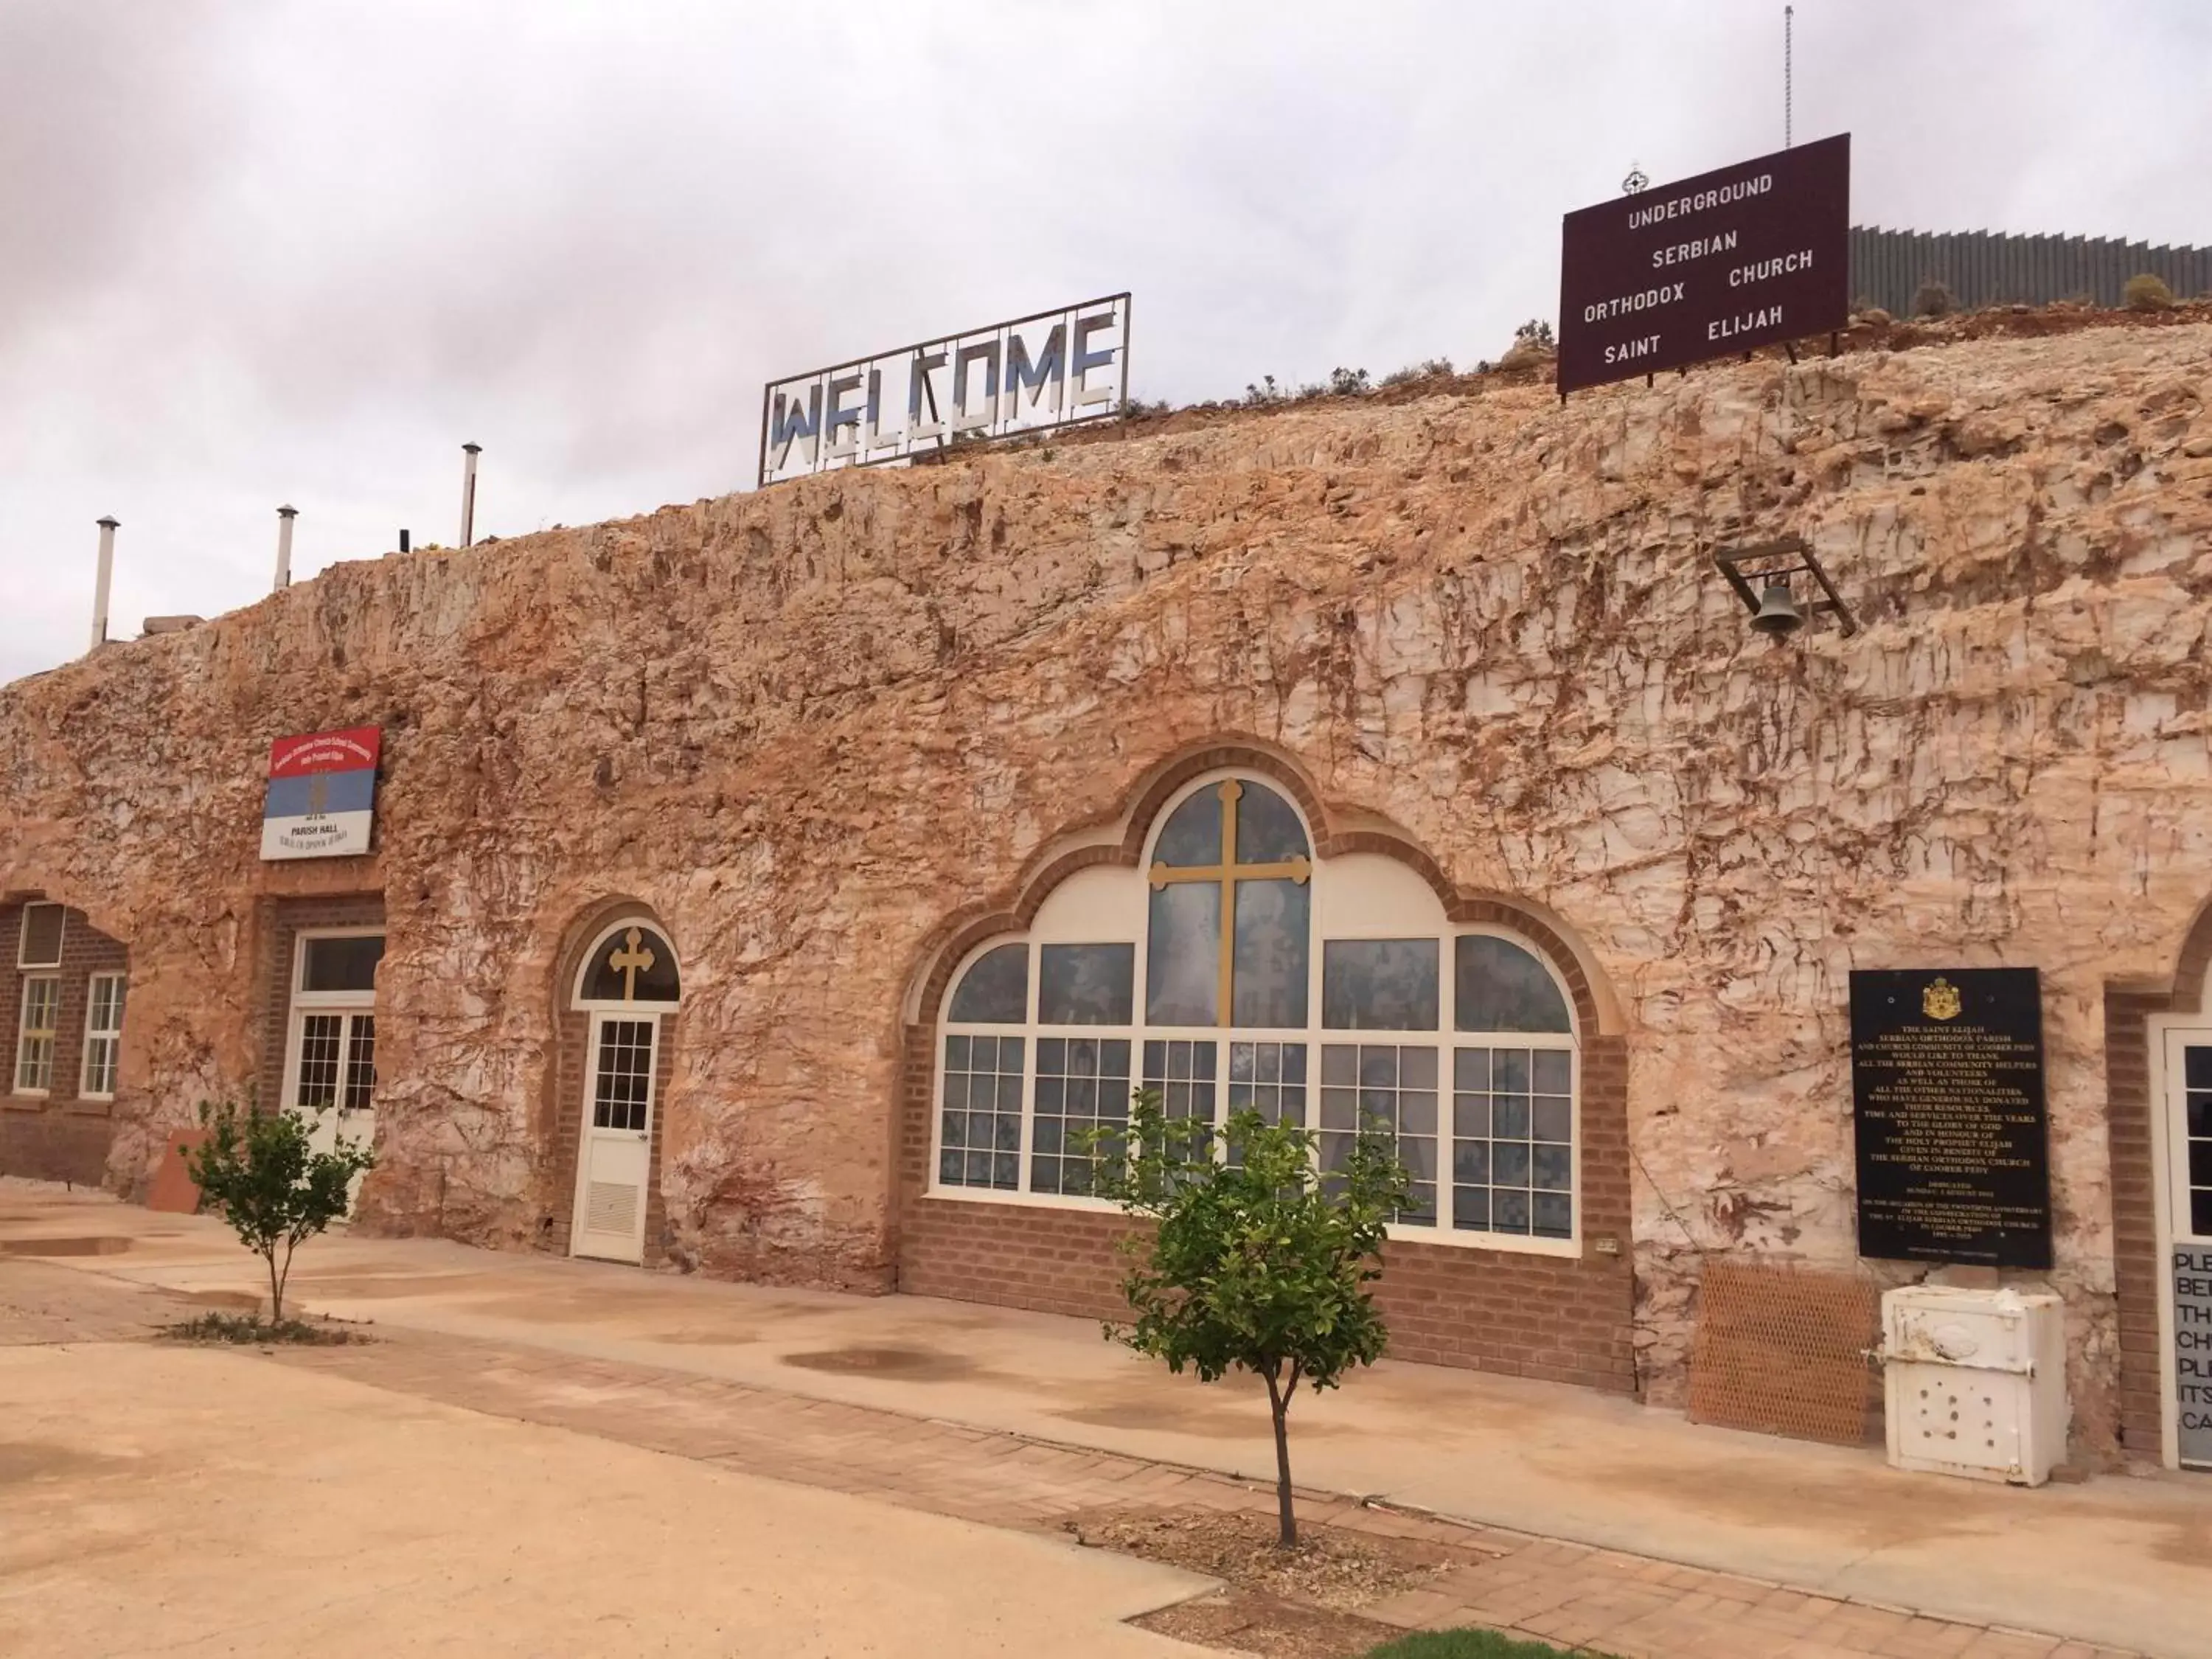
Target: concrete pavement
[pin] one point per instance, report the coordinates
(156, 1499)
(2120, 1561)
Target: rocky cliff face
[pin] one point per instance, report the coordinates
(808, 724)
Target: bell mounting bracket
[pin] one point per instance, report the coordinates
(1776, 561)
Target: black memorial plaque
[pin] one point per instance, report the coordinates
(1740, 257)
(1947, 1080)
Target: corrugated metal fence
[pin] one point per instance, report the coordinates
(1889, 267)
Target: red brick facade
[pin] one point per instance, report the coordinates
(1555, 1318)
(59, 1135)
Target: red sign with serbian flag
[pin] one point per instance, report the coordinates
(322, 794)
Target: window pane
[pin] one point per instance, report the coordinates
(1379, 985)
(1552, 1119)
(1192, 836)
(343, 965)
(2196, 1059)
(317, 1088)
(1268, 831)
(622, 1078)
(1397, 1089)
(360, 1063)
(34, 1044)
(1183, 1072)
(982, 1075)
(1507, 1181)
(1270, 1078)
(1085, 984)
(38, 941)
(995, 990)
(1182, 961)
(104, 1009)
(635, 965)
(1498, 986)
(99, 1065)
(1080, 1085)
(1273, 926)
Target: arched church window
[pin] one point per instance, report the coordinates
(1233, 969)
(632, 964)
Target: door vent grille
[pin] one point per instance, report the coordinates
(610, 1207)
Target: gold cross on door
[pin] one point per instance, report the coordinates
(630, 962)
(1228, 872)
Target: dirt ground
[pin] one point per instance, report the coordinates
(157, 1498)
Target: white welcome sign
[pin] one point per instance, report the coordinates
(1051, 369)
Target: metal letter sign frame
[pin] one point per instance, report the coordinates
(1748, 256)
(1034, 373)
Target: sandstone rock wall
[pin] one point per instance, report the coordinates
(807, 724)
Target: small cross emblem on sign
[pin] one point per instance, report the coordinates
(630, 962)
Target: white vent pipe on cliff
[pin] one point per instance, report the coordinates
(108, 529)
(469, 492)
(284, 516)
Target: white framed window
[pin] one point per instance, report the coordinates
(103, 1035)
(332, 1063)
(39, 1014)
(335, 966)
(38, 936)
(1235, 971)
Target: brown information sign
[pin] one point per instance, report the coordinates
(1743, 256)
(1946, 1077)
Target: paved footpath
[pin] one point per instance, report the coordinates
(1570, 1594)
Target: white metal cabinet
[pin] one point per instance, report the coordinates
(1975, 1381)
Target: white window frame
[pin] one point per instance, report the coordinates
(306, 999)
(1386, 921)
(24, 1033)
(348, 1005)
(111, 1036)
(23, 936)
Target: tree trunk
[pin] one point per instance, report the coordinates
(276, 1289)
(1279, 1406)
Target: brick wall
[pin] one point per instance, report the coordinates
(2132, 1119)
(59, 1136)
(1553, 1318)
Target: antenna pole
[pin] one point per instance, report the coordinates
(1789, 42)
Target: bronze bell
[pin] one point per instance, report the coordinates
(1778, 615)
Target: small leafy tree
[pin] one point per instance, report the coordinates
(276, 1190)
(1258, 1260)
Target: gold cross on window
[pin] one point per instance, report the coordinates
(631, 961)
(1228, 872)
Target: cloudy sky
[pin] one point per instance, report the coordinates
(265, 251)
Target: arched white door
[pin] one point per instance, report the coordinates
(628, 984)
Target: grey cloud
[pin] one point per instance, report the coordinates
(302, 251)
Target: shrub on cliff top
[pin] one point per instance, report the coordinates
(2145, 292)
(1933, 298)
